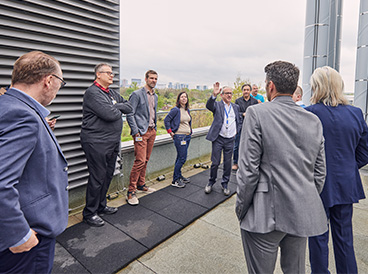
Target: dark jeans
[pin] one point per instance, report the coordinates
(225, 145)
(182, 152)
(101, 161)
(39, 259)
(236, 148)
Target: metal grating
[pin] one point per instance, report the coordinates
(78, 33)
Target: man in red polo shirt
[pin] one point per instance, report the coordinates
(100, 138)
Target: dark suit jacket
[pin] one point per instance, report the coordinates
(33, 172)
(217, 109)
(346, 146)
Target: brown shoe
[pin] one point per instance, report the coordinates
(235, 167)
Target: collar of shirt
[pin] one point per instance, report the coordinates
(101, 87)
(44, 111)
(149, 93)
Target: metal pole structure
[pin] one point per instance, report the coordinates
(334, 52)
(315, 41)
(322, 40)
(361, 72)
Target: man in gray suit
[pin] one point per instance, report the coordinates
(281, 173)
(143, 125)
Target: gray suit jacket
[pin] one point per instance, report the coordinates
(281, 170)
(138, 120)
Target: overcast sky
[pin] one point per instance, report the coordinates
(199, 42)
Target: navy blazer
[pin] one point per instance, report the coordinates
(217, 109)
(138, 120)
(172, 120)
(33, 172)
(346, 146)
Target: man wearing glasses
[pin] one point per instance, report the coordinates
(225, 125)
(100, 139)
(33, 170)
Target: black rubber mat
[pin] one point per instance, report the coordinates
(134, 230)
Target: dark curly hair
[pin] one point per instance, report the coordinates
(284, 75)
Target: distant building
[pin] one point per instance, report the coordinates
(124, 83)
(137, 81)
(161, 86)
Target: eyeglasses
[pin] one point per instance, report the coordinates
(108, 73)
(63, 83)
(228, 93)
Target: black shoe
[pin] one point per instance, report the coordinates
(109, 210)
(185, 180)
(94, 220)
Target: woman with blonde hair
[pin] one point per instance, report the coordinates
(346, 146)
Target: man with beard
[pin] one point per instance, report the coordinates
(143, 125)
(255, 94)
(281, 173)
(243, 102)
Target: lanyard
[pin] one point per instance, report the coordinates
(227, 115)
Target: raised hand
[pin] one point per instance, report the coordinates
(216, 89)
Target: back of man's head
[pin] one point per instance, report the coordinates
(31, 67)
(284, 75)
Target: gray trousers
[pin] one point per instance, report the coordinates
(261, 252)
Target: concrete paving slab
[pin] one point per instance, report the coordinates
(224, 217)
(203, 248)
(204, 241)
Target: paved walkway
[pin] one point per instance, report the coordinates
(212, 244)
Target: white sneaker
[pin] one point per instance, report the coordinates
(132, 199)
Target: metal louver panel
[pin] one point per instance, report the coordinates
(78, 33)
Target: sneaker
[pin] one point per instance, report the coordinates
(132, 198)
(208, 189)
(235, 167)
(145, 189)
(94, 220)
(178, 183)
(185, 180)
(226, 191)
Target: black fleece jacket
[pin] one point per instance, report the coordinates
(102, 121)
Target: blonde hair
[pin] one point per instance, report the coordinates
(328, 87)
